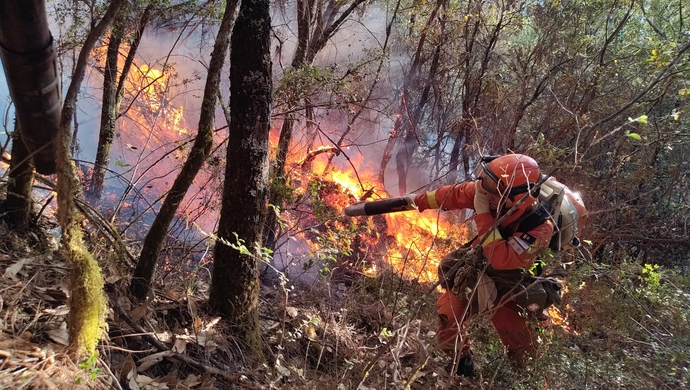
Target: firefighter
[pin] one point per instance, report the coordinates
(501, 184)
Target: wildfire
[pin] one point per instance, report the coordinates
(149, 150)
(411, 243)
(153, 140)
(560, 318)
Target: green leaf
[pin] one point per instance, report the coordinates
(120, 164)
(634, 136)
(642, 119)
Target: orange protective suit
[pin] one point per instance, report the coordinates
(518, 250)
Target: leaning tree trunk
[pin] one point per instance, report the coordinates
(235, 280)
(153, 243)
(87, 300)
(16, 209)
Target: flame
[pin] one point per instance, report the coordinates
(560, 318)
(153, 140)
(411, 243)
(151, 137)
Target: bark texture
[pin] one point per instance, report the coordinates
(113, 92)
(235, 281)
(16, 209)
(109, 110)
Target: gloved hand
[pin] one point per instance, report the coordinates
(409, 198)
(481, 199)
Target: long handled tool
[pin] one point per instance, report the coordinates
(383, 206)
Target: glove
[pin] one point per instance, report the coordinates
(409, 198)
(481, 199)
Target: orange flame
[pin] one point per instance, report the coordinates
(412, 244)
(560, 318)
(154, 139)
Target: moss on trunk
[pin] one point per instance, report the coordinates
(87, 300)
(16, 209)
(87, 303)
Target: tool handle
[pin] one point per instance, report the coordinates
(383, 206)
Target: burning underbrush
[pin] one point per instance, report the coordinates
(408, 243)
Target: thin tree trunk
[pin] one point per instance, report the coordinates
(279, 181)
(390, 145)
(458, 154)
(113, 93)
(235, 279)
(108, 109)
(277, 170)
(16, 208)
(87, 301)
(405, 122)
(311, 131)
(411, 142)
(352, 120)
(153, 243)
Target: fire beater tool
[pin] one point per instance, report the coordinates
(383, 206)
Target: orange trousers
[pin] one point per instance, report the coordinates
(512, 328)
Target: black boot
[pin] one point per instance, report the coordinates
(465, 366)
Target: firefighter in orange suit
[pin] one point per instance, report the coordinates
(502, 183)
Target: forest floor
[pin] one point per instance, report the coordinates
(618, 327)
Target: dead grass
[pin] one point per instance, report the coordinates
(25, 364)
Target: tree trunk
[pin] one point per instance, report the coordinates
(16, 209)
(235, 279)
(406, 121)
(113, 91)
(411, 142)
(279, 179)
(153, 243)
(388, 149)
(458, 152)
(354, 117)
(87, 300)
(31, 70)
(108, 110)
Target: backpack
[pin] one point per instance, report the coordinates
(556, 202)
(566, 209)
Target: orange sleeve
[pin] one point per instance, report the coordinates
(451, 197)
(518, 251)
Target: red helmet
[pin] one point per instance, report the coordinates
(510, 174)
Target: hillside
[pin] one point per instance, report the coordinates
(619, 326)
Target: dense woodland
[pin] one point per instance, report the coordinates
(194, 235)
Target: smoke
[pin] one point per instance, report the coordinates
(158, 118)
